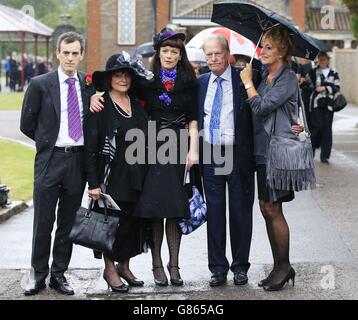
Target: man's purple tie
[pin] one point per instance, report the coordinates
(73, 111)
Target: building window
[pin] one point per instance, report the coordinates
(126, 22)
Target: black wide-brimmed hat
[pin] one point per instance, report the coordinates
(165, 34)
(117, 62)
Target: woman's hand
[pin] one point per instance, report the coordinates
(298, 128)
(191, 159)
(95, 194)
(96, 104)
(246, 74)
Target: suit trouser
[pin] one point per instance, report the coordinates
(322, 120)
(62, 182)
(241, 199)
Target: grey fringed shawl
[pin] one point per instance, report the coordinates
(279, 99)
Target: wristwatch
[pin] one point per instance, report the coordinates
(248, 86)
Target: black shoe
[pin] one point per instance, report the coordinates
(134, 282)
(160, 282)
(34, 287)
(123, 288)
(324, 160)
(60, 284)
(177, 280)
(278, 286)
(217, 279)
(265, 281)
(240, 278)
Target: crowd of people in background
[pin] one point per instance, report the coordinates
(11, 69)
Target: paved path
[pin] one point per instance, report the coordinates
(324, 244)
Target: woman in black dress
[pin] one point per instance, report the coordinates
(171, 102)
(107, 168)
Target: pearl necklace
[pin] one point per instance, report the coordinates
(123, 113)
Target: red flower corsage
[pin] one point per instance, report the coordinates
(169, 85)
(88, 80)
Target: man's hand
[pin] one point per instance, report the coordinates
(96, 103)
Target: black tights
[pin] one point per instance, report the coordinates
(279, 237)
(173, 239)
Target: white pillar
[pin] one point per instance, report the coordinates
(347, 43)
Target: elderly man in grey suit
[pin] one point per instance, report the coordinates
(52, 115)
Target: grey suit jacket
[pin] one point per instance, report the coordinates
(41, 110)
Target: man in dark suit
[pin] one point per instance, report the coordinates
(53, 110)
(226, 126)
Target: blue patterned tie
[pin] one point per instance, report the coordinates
(73, 111)
(215, 113)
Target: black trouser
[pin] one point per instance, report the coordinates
(62, 182)
(322, 120)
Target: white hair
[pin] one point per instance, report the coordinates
(218, 37)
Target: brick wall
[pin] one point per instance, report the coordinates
(298, 13)
(103, 28)
(93, 36)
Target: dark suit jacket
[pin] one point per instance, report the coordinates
(242, 119)
(41, 111)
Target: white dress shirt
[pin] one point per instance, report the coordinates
(227, 128)
(63, 139)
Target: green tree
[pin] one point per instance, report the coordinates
(352, 5)
(41, 8)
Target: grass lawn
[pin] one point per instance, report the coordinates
(16, 169)
(11, 101)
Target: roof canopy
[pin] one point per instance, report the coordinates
(15, 23)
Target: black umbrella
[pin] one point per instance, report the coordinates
(320, 44)
(146, 50)
(252, 21)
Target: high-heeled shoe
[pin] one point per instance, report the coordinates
(265, 281)
(278, 286)
(160, 282)
(175, 281)
(121, 289)
(133, 282)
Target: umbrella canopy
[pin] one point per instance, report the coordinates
(195, 54)
(320, 44)
(252, 20)
(238, 44)
(146, 50)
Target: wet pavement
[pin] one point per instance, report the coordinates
(323, 251)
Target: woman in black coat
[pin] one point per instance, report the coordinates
(171, 103)
(108, 169)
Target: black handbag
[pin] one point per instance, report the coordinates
(339, 102)
(290, 164)
(94, 230)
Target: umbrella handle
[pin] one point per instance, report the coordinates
(257, 45)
